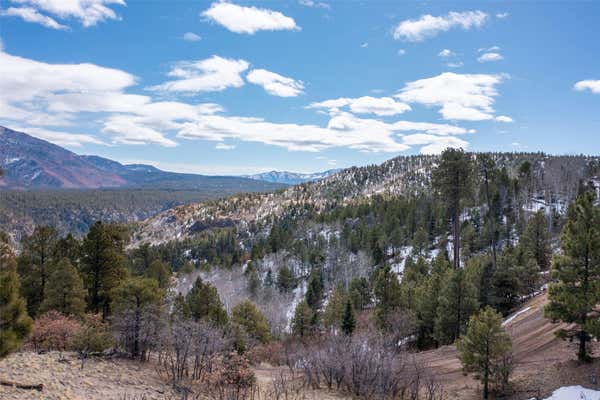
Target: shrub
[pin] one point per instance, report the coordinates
(54, 331)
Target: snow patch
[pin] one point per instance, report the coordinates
(574, 393)
(515, 315)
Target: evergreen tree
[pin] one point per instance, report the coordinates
(102, 265)
(204, 303)
(137, 303)
(360, 293)
(285, 279)
(484, 346)
(505, 288)
(348, 320)
(301, 322)
(68, 247)
(387, 294)
(15, 324)
(268, 282)
(252, 321)
(160, 272)
(334, 311)
(35, 265)
(452, 179)
(315, 290)
(253, 283)
(457, 301)
(64, 290)
(536, 239)
(576, 272)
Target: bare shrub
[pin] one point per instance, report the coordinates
(54, 331)
(137, 332)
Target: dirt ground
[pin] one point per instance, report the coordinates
(543, 363)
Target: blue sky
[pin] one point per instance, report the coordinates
(249, 86)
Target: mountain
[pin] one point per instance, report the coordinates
(291, 178)
(32, 163)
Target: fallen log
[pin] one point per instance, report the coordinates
(38, 387)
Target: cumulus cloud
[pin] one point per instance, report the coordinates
(191, 37)
(434, 144)
(401, 52)
(490, 57)
(32, 15)
(446, 53)
(504, 118)
(248, 20)
(209, 75)
(467, 97)
(223, 146)
(502, 15)
(588, 84)
(417, 30)
(87, 12)
(275, 84)
(382, 106)
(44, 94)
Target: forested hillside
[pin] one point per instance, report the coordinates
(385, 268)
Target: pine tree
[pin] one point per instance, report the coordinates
(315, 290)
(204, 303)
(505, 285)
(285, 279)
(536, 239)
(576, 290)
(301, 322)
(360, 293)
(484, 345)
(334, 311)
(64, 290)
(387, 294)
(35, 265)
(457, 301)
(137, 303)
(252, 321)
(452, 178)
(348, 320)
(102, 265)
(15, 324)
(161, 272)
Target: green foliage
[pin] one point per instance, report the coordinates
(252, 321)
(457, 301)
(64, 290)
(15, 324)
(102, 264)
(334, 311)
(505, 283)
(35, 265)
(387, 294)
(302, 320)
(315, 290)
(360, 293)
(575, 291)
(536, 239)
(159, 271)
(348, 319)
(285, 279)
(94, 337)
(484, 346)
(203, 303)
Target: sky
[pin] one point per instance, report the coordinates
(233, 88)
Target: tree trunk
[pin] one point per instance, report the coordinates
(38, 387)
(582, 353)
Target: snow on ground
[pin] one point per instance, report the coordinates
(574, 393)
(515, 315)
(299, 293)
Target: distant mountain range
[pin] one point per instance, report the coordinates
(291, 178)
(32, 163)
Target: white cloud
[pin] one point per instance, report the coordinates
(417, 30)
(490, 57)
(248, 20)
(209, 75)
(364, 45)
(223, 146)
(401, 52)
(446, 53)
(127, 129)
(461, 96)
(502, 15)
(588, 84)
(504, 118)
(313, 4)
(191, 37)
(32, 15)
(275, 84)
(434, 144)
(59, 138)
(382, 106)
(456, 64)
(87, 12)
